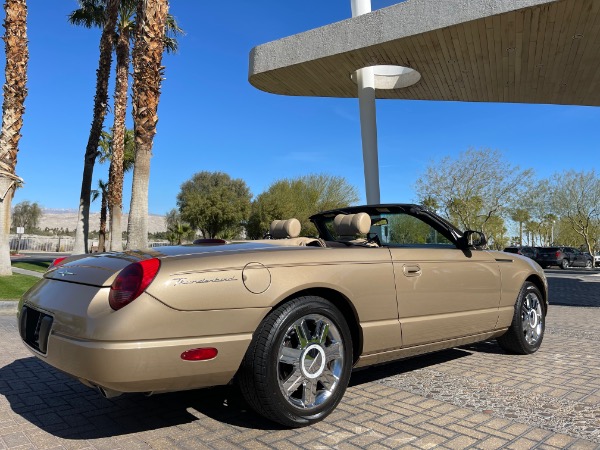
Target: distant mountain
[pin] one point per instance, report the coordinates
(58, 211)
(67, 218)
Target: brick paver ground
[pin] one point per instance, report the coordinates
(471, 397)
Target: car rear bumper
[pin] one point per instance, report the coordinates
(145, 366)
(136, 349)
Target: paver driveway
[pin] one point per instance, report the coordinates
(469, 397)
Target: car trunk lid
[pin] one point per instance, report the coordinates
(93, 270)
(101, 269)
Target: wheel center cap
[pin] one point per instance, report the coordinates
(312, 362)
(533, 319)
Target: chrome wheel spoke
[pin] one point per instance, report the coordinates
(333, 352)
(303, 333)
(328, 379)
(309, 393)
(322, 332)
(290, 356)
(293, 381)
(534, 334)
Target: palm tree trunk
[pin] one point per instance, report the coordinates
(521, 234)
(6, 185)
(102, 232)
(15, 91)
(100, 104)
(115, 179)
(147, 76)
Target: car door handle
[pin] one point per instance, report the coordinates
(412, 270)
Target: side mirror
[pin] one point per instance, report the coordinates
(474, 239)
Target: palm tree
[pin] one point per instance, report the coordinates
(147, 77)
(550, 219)
(100, 104)
(107, 153)
(91, 14)
(177, 228)
(116, 170)
(102, 192)
(13, 107)
(106, 149)
(520, 216)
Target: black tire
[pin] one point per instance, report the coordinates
(278, 377)
(564, 264)
(526, 331)
(588, 264)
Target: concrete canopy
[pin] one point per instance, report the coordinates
(520, 51)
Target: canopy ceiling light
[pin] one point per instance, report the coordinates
(392, 77)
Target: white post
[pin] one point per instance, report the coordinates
(360, 7)
(368, 117)
(368, 129)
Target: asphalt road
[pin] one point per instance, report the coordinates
(574, 287)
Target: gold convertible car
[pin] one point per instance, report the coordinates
(286, 317)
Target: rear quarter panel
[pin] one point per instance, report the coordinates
(265, 278)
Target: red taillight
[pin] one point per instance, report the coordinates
(557, 255)
(199, 354)
(131, 282)
(57, 262)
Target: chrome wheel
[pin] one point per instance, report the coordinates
(299, 362)
(310, 361)
(526, 332)
(532, 318)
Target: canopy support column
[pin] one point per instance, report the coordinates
(368, 117)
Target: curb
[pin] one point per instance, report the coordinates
(31, 273)
(8, 308)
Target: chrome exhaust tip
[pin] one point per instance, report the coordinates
(108, 393)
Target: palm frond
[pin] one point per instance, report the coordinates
(92, 13)
(172, 32)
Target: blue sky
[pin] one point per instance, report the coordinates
(211, 118)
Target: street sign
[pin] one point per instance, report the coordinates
(20, 230)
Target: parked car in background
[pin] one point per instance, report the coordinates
(563, 257)
(530, 252)
(597, 259)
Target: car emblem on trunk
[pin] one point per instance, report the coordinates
(64, 272)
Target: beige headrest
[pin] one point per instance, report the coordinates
(352, 224)
(281, 229)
